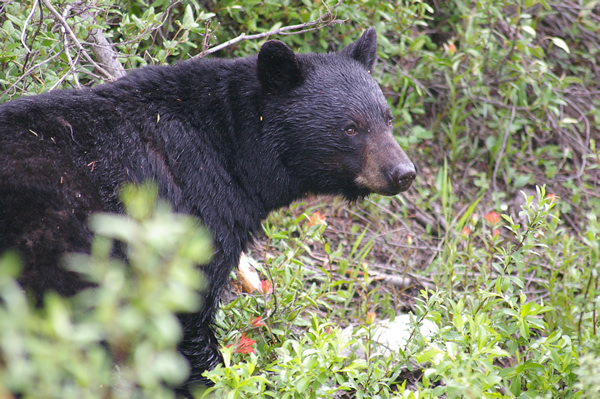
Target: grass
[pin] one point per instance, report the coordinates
(496, 243)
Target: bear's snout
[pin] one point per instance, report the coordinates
(386, 169)
(402, 176)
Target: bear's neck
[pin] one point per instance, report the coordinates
(229, 163)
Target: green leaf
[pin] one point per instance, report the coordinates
(427, 355)
(206, 15)
(521, 181)
(529, 30)
(558, 42)
(303, 383)
(188, 18)
(569, 121)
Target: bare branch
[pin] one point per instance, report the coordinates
(24, 33)
(208, 34)
(72, 65)
(75, 41)
(33, 54)
(585, 145)
(327, 19)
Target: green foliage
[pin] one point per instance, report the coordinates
(495, 339)
(490, 97)
(495, 319)
(117, 340)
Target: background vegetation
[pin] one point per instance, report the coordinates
(498, 104)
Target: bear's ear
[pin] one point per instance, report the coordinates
(364, 50)
(278, 68)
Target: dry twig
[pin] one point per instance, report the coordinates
(327, 19)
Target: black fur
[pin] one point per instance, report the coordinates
(225, 140)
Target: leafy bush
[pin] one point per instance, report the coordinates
(496, 243)
(118, 340)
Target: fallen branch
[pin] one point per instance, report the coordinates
(105, 53)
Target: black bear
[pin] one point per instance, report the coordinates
(225, 140)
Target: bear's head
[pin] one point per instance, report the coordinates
(329, 120)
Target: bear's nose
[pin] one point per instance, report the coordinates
(403, 175)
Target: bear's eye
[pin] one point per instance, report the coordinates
(390, 122)
(350, 131)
